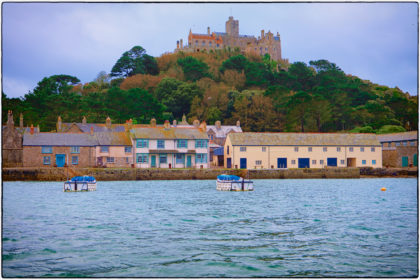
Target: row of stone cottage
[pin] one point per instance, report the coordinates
(179, 145)
(182, 145)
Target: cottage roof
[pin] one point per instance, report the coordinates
(113, 138)
(172, 133)
(21, 130)
(401, 136)
(223, 131)
(303, 139)
(97, 127)
(59, 139)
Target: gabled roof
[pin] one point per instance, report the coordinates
(401, 136)
(113, 138)
(303, 139)
(97, 127)
(224, 130)
(59, 139)
(172, 133)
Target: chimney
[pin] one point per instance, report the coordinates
(91, 130)
(181, 44)
(262, 34)
(177, 44)
(129, 124)
(10, 122)
(174, 123)
(32, 129)
(21, 121)
(166, 125)
(37, 129)
(278, 34)
(84, 120)
(208, 30)
(108, 122)
(59, 124)
(203, 126)
(238, 123)
(196, 123)
(218, 125)
(184, 119)
(153, 122)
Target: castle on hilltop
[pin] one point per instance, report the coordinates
(266, 43)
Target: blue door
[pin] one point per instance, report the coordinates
(188, 161)
(153, 161)
(331, 161)
(60, 160)
(281, 162)
(243, 163)
(415, 160)
(229, 163)
(404, 161)
(303, 162)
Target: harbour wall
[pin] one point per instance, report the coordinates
(130, 174)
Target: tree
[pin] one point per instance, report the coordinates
(102, 80)
(299, 108)
(134, 61)
(238, 63)
(193, 68)
(177, 95)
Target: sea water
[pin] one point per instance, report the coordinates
(285, 228)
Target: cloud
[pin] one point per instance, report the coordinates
(13, 87)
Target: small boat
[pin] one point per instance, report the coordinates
(80, 184)
(233, 183)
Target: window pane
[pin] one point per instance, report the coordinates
(75, 150)
(127, 149)
(161, 144)
(74, 160)
(47, 150)
(47, 160)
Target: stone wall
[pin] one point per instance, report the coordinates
(388, 172)
(33, 156)
(128, 174)
(392, 157)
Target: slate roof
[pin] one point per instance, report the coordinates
(59, 139)
(21, 130)
(303, 139)
(219, 151)
(224, 130)
(396, 137)
(172, 133)
(113, 139)
(97, 127)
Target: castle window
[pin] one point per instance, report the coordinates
(258, 162)
(338, 149)
(314, 161)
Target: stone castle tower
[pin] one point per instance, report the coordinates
(266, 43)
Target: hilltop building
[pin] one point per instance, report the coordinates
(253, 150)
(267, 43)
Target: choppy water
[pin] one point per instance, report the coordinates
(303, 228)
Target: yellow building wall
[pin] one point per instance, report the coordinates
(258, 158)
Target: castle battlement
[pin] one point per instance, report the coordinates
(266, 43)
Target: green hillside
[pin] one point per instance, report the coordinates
(225, 85)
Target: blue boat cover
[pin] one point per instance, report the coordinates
(225, 177)
(83, 178)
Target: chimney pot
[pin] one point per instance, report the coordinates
(153, 122)
(32, 129)
(91, 130)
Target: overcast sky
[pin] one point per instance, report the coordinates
(375, 41)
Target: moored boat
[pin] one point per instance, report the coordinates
(80, 184)
(233, 183)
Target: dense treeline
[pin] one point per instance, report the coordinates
(225, 85)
